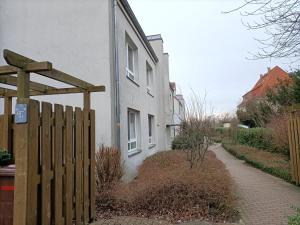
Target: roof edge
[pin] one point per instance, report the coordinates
(139, 28)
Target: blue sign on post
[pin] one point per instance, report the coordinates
(21, 113)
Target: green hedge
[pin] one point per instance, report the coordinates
(5, 158)
(278, 172)
(256, 137)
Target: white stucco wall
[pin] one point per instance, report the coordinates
(73, 35)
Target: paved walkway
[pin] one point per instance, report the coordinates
(263, 199)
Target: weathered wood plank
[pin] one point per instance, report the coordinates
(58, 164)
(13, 81)
(78, 167)
(291, 145)
(92, 166)
(33, 164)
(46, 164)
(38, 67)
(69, 165)
(60, 91)
(20, 61)
(7, 125)
(298, 150)
(23, 86)
(86, 150)
(8, 70)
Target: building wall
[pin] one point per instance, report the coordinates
(74, 36)
(134, 95)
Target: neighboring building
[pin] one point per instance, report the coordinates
(178, 104)
(101, 42)
(265, 83)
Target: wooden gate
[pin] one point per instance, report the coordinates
(53, 147)
(59, 177)
(294, 142)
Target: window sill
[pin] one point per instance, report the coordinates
(133, 81)
(151, 146)
(132, 153)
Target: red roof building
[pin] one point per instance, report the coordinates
(265, 83)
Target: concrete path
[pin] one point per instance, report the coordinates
(263, 199)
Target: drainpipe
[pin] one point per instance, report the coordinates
(116, 75)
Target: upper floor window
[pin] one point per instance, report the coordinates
(131, 59)
(149, 79)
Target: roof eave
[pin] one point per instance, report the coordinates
(138, 27)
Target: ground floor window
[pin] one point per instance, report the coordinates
(132, 130)
(151, 129)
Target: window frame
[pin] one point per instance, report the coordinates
(149, 79)
(130, 73)
(134, 140)
(151, 127)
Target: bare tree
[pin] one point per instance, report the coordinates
(197, 130)
(280, 19)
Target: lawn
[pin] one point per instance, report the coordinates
(166, 188)
(276, 164)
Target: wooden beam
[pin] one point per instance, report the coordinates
(60, 91)
(38, 67)
(23, 87)
(8, 70)
(87, 100)
(7, 124)
(13, 81)
(20, 61)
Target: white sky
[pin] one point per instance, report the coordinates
(208, 49)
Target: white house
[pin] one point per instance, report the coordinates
(101, 42)
(178, 105)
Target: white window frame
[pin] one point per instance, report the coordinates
(149, 77)
(130, 73)
(131, 141)
(151, 139)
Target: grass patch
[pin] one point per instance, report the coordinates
(166, 188)
(295, 219)
(273, 163)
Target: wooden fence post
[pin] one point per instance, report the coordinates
(7, 124)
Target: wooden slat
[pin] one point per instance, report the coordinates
(1, 130)
(58, 164)
(33, 167)
(60, 91)
(38, 67)
(86, 150)
(46, 164)
(21, 175)
(92, 166)
(13, 81)
(296, 143)
(69, 165)
(298, 150)
(291, 145)
(7, 125)
(8, 70)
(20, 61)
(78, 166)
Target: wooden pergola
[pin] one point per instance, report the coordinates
(17, 73)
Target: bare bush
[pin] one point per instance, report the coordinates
(197, 130)
(109, 169)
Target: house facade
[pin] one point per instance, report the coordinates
(102, 43)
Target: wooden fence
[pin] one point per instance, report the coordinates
(294, 143)
(55, 178)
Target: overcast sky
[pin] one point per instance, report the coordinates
(208, 49)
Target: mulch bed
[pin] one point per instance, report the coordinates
(166, 188)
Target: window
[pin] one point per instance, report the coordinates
(130, 62)
(132, 130)
(149, 79)
(151, 129)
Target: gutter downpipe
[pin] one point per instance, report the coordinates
(117, 76)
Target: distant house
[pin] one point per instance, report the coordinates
(266, 82)
(178, 109)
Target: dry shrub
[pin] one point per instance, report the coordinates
(108, 167)
(279, 126)
(167, 188)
